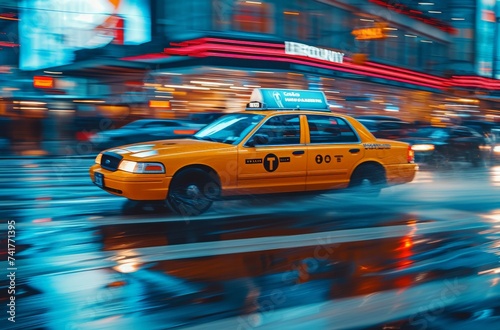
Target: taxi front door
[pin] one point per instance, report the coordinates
(333, 150)
(278, 165)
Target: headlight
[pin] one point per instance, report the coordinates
(496, 149)
(141, 168)
(98, 159)
(422, 147)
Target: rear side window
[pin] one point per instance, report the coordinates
(329, 129)
(281, 130)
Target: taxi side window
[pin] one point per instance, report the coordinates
(328, 129)
(281, 130)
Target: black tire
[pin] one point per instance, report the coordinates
(192, 192)
(368, 179)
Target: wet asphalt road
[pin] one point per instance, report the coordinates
(421, 256)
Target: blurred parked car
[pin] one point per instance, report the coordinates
(437, 146)
(143, 130)
(387, 129)
(201, 119)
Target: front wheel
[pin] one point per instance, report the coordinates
(368, 179)
(192, 192)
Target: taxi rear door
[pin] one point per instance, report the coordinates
(277, 165)
(333, 150)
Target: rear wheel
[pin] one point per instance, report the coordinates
(368, 179)
(192, 192)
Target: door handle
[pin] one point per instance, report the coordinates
(354, 151)
(298, 152)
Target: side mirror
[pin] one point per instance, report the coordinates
(258, 139)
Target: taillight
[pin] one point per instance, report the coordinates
(411, 155)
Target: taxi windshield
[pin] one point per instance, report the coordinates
(230, 128)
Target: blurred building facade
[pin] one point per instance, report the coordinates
(422, 61)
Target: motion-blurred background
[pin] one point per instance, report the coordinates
(71, 69)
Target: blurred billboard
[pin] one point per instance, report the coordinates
(485, 36)
(52, 30)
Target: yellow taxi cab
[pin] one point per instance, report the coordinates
(285, 141)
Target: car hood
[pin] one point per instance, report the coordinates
(158, 149)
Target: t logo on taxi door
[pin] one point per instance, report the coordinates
(271, 162)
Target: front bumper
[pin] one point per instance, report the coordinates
(141, 187)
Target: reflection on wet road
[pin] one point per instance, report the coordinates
(422, 256)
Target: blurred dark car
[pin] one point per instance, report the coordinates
(437, 146)
(201, 119)
(387, 129)
(481, 126)
(143, 130)
(489, 131)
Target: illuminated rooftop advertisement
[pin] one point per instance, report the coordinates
(52, 30)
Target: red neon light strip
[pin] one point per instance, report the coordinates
(475, 82)
(198, 51)
(195, 50)
(282, 46)
(204, 47)
(145, 57)
(265, 58)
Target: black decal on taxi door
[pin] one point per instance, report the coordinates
(271, 162)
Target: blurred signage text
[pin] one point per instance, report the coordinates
(43, 82)
(376, 32)
(159, 104)
(295, 48)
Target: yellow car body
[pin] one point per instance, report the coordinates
(272, 151)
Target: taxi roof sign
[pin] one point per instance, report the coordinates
(287, 99)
